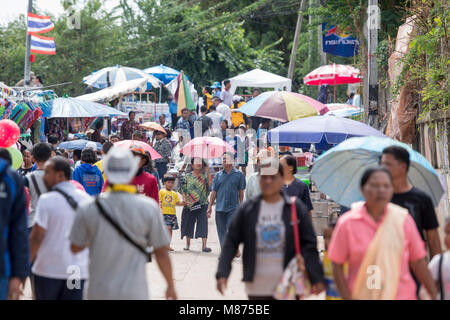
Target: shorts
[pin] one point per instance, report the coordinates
(190, 219)
(171, 221)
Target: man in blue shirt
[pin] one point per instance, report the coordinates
(14, 257)
(228, 189)
(173, 108)
(184, 124)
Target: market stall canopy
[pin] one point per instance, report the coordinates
(322, 131)
(163, 73)
(76, 108)
(261, 79)
(116, 75)
(116, 91)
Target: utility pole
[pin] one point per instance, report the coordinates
(298, 28)
(311, 35)
(26, 75)
(371, 81)
(322, 54)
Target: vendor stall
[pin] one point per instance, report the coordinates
(260, 79)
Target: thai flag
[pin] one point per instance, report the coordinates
(42, 45)
(39, 24)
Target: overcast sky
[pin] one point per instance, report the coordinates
(11, 9)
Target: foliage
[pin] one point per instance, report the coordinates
(426, 66)
(209, 40)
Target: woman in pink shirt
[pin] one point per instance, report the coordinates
(380, 242)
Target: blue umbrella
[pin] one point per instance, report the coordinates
(77, 145)
(322, 131)
(338, 171)
(163, 73)
(75, 108)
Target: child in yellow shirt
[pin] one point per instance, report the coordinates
(169, 199)
(332, 292)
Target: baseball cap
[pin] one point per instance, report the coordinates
(120, 165)
(140, 152)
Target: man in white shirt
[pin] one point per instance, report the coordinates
(41, 152)
(58, 273)
(215, 117)
(223, 109)
(225, 95)
(117, 260)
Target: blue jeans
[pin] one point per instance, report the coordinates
(222, 222)
(4, 284)
(56, 289)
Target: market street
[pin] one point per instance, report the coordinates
(194, 271)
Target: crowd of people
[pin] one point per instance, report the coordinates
(84, 223)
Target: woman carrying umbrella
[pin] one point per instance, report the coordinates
(195, 191)
(380, 242)
(164, 148)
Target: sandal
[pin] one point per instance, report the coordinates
(206, 250)
(186, 248)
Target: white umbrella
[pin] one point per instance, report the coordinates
(116, 91)
(116, 75)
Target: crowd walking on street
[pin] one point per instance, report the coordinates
(84, 224)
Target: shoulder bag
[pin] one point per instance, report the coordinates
(69, 199)
(116, 226)
(294, 283)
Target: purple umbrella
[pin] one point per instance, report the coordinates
(323, 131)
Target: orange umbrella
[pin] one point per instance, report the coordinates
(153, 126)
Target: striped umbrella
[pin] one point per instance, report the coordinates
(283, 106)
(333, 74)
(182, 95)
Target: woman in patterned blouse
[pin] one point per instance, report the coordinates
(195, 191)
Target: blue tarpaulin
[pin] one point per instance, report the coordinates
(75, 108)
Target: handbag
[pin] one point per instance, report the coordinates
(196, 207)
(294, 282)
(102, 211)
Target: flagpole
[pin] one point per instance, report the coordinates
(27, 50)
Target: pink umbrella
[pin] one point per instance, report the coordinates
(206, 148)
(332, 75)
(136, 143)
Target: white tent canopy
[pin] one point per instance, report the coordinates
(261, 79)
(116, 91)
